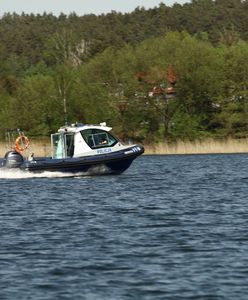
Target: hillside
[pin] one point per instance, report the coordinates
(118, 68)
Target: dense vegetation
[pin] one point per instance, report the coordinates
(124, 69)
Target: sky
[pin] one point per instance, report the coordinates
(80, 7)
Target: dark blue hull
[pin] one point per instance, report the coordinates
(101, 164)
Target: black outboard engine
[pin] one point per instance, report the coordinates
(12, 159)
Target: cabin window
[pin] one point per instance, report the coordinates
(57, 146)
(97, 138)
(69, 143)
(62, 145)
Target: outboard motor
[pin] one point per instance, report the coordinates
(13, 159)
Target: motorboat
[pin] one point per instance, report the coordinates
(89, 149)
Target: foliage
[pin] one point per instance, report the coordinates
(115, 68)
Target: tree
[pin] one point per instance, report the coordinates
(35, 109)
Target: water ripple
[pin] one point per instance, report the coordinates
(171, 227)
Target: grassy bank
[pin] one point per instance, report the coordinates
(42, 147)
(206, 146)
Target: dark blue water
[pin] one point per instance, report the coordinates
(171, 227)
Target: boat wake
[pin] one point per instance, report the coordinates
(18, 174)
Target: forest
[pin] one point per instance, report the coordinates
(178, 72)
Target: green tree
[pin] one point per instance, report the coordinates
(35, 108)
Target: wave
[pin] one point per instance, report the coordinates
(18, 174)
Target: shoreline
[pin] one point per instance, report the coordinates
(206, 146)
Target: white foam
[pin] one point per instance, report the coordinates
(18, 174)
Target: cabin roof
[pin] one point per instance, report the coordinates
(79, 126)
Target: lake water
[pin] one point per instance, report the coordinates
(171, 227)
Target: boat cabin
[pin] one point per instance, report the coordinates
(78, 140)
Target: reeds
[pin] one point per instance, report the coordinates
(39, 148)
(207, 146)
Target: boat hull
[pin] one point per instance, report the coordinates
(101, 164)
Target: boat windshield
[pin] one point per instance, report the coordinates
(97, 138)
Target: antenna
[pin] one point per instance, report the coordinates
(63, 96)
(65, 111)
